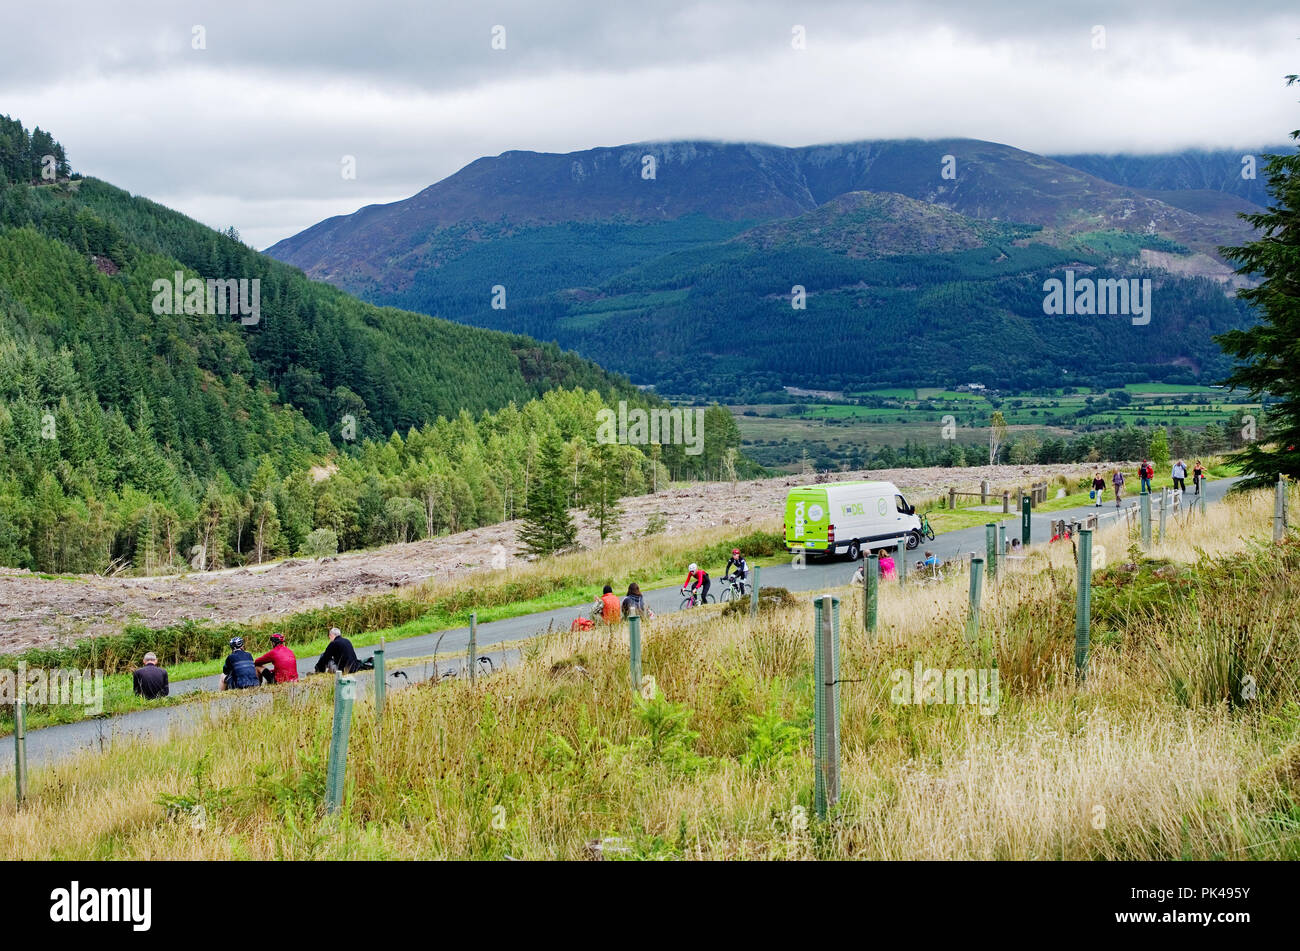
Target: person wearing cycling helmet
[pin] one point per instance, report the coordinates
(738, 562)
(239, 672)
(284, 665)
(696, 579)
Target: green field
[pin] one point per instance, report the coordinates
(848, 433)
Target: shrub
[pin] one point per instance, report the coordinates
(320, 544)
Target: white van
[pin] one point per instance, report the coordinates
(848, 517)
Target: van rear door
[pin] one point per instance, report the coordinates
(806, 518)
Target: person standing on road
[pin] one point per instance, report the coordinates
(1179, 474)
(239, 672)
(1145, 472)
(1117, 480)
(339, 652)
(281, 658)
(1198, 476)
(1098, 486)
(150, 681)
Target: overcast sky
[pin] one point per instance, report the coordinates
(251, 128)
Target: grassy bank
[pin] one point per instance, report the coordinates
(1167, 750)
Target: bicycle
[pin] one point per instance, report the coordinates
(690, 599)
(732, 587)
(924, 532)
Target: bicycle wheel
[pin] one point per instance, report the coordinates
(710, 599)
(727, 593)
(687, 602)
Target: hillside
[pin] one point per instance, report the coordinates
(875, 225)
(146, 430)
(626, 270)
(1217, 170)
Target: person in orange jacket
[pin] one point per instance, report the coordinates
(611, 608)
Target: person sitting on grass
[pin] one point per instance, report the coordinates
(887, 569)
(633, 602)
(340, 654)
(611, 610)
(150, 681)
(239, 672)
(283, 664)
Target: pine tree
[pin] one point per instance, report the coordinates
(1269, 352)
(1159, 448)
(547, 526)
(602, 486)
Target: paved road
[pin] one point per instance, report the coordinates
(54, 742)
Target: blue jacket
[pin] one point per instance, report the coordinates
(239, 670)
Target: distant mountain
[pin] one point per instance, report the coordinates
(381, 247)
(626, 268)
(1167, 174)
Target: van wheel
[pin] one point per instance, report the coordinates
(854, 552)
(913, 540)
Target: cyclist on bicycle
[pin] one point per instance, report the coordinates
(696, 579)
(738, 562)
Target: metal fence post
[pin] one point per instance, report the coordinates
(991, 549)
(1144, 519)
(1279, 510)
(1083, 606)
(473, 644)
(634, 648)
(20, 745)
(826, 675)
(345, 691)
(381, 682)
(900, 562)
(1164, 507)
(1002, 539)
(870, 592)
(976, 582)
(753, 593)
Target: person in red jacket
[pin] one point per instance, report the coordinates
(286, 664)
(697, 579)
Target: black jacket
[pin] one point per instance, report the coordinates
(150, 682)
(340, 651)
